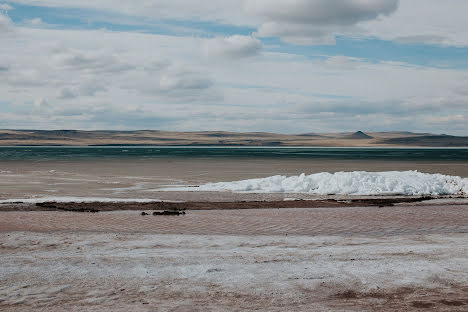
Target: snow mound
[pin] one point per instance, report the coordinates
(350, 183)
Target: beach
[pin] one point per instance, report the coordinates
(322, 259)
(233, 156)
(144, 178)
(73, 237)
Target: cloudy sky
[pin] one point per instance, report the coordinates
(287, 66)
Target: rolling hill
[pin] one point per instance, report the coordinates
(222, 138)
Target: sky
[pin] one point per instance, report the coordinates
(283, 66)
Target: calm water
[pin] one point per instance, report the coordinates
(81, 153)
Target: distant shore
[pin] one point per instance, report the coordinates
(227, 139)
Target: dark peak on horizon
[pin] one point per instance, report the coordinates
(359, 135)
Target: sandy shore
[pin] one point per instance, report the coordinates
(384, 221)
(406, 257)
(340, 254)
(143, 179)
(142, 272)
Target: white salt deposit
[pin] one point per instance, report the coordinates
(111, 272)
(348, 183)
(71, 199)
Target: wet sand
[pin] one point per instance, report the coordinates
(409, 257)
(144, 178)
(384, 221)
(343, 257)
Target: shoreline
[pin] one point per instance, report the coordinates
(158, 179)
(223, 138)
(341, 254)
(328, 218)
(373, 146)
(108, 205)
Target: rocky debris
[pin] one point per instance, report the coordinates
(53, 205)
(212, 205)
(168, 213)
(78, 209)
(383, 202)
(47, 205)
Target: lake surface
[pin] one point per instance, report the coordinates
(82, 153)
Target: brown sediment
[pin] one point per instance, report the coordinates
(147, 179)
(208, 205)
(405, 298)
(386, 221)
(237, 259)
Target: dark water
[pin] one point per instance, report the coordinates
(82, 153)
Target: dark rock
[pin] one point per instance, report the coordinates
(168, 213)
(47, 205)
(78, 209)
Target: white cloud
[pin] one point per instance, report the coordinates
(35, 22)
(315, 21)
(302, 21)
(5, 7)
(423, 21)
(79, 71)
(321, 12)
(122, 80)
(342, 62)
(41, 106)
(224, 11)
(463, 89)
(89, 88)
(183, 80)
(234, 47)
(170, 83)
(5, 23)
(90, 61)
(434, 39)
(458, 119)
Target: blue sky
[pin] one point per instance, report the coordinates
(79, 18)
(369, 48)
(250, 65)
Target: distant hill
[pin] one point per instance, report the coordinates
(311, 135)
(429, 140)
(359, 135)
(223, 138)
